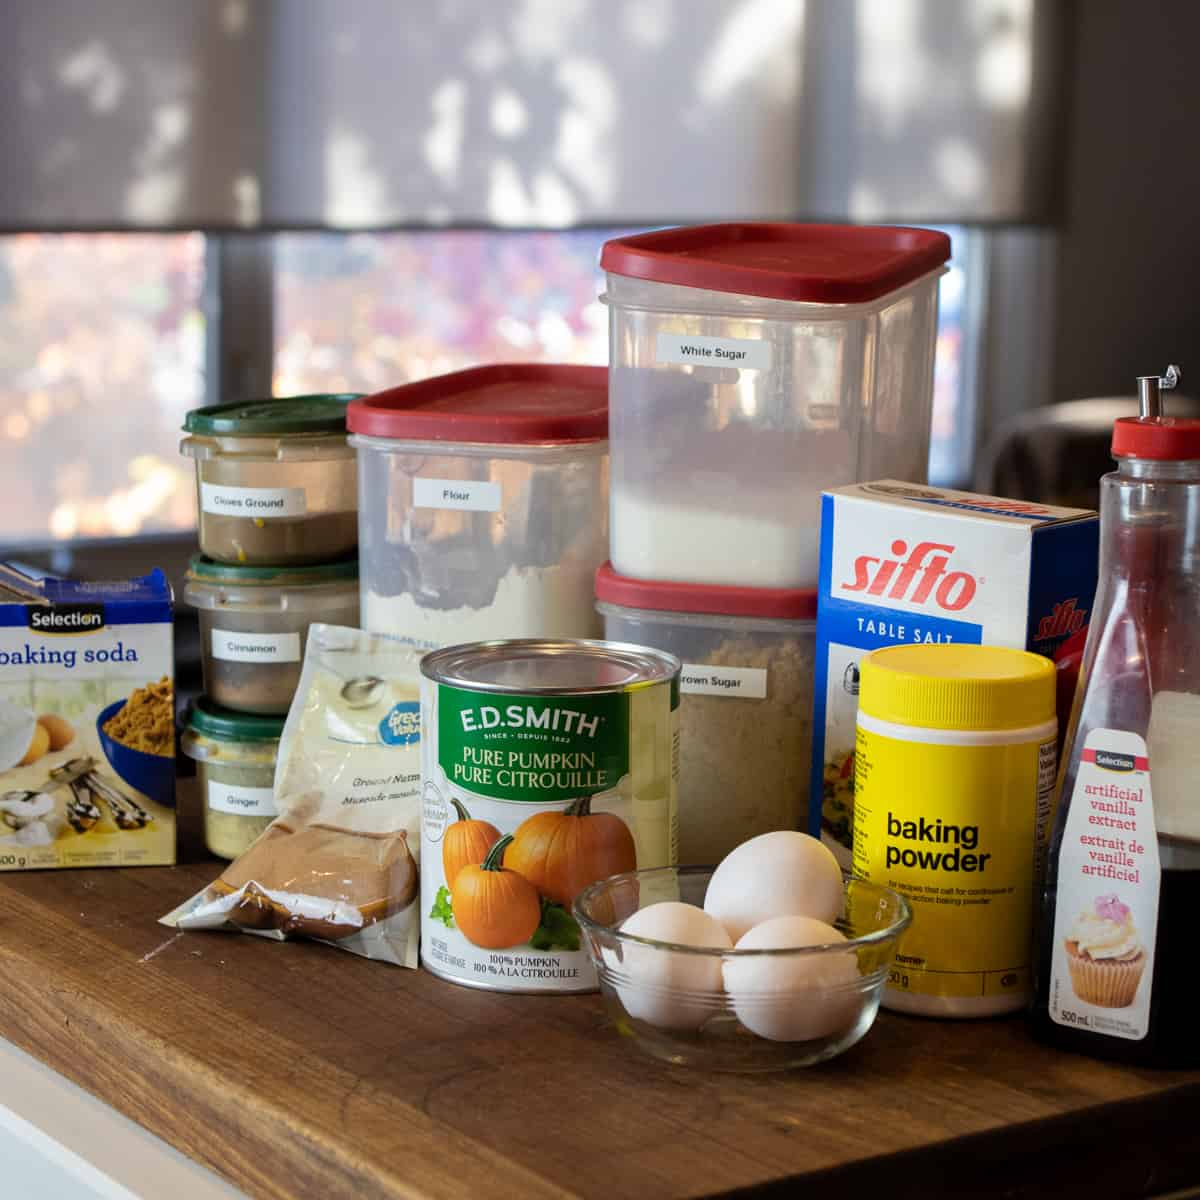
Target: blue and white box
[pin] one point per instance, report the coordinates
(903, 563)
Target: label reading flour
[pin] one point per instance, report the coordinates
(1106, 905)
(470, 495)
(750, 683)
(750, 353)
(249, 801)
(231, 501)
(255, 647)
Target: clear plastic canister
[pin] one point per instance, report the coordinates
(275, 480)
(483, 504)
(235, 764)
(254, 625)
(753, 366)
(745, 706)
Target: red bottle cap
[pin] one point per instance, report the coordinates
(1168, 439)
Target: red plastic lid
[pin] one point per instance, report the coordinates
(792, 604)
(507, 403)
(1170, 439)
(823, 264)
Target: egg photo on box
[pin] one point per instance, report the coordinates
(671, 989)
(780, 874)
(794, 997)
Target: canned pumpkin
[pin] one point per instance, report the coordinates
(546, 765)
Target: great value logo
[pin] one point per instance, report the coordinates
(914, 576)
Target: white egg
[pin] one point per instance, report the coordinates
(794, 998)
(780, 874)
(655, 979)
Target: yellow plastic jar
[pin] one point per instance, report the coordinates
(954, 777)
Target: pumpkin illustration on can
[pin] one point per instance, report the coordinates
(467, 842)
(560, 853)
(494, 906)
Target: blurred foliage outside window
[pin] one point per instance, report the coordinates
(103, 346)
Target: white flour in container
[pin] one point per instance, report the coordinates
(543, 602)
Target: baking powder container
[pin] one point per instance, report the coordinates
(954, 776)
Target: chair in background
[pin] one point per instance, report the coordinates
(1057, 453)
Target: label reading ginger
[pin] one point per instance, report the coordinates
(957, 830)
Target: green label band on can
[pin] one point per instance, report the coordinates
(533, 750)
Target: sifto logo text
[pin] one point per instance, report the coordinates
(914, 576)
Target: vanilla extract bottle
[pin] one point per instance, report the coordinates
(1115, 969)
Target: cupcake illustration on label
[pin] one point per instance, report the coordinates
(1108, 883)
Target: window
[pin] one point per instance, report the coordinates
(104, 344)
(365, 312)
(102, 340)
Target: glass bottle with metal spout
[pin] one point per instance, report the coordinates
(1121, 895)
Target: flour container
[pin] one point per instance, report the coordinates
(275, 480)
(752, 366)
(745, 709)
(483, 504)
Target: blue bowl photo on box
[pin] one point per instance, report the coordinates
(151, 774)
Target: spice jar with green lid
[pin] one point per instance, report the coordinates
(276, 481)
(254, 623)
(235, 764)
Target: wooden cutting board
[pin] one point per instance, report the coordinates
(298, 1071)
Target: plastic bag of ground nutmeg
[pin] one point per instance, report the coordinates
(339, 862)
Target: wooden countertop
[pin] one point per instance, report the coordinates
(298, 1071)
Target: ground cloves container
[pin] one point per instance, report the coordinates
(235, 765)
(275, 479)
(254, 624)
(745, 707)
(545, 766)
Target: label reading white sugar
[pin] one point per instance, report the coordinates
(252, 501)
(1106, 903)
(750, 683)
(249, 801)
(255, 647)
(472, 495)
(751, 353)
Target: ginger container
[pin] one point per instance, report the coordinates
(275, 479)
(235, 765)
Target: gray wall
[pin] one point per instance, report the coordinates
(1128, 287)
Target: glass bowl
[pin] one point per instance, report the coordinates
(731, 1010)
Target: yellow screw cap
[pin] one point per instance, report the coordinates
(957, 687)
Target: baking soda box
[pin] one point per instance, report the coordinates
(87, 723)
(902, 563)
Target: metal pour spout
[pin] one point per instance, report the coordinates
(1150, 389)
